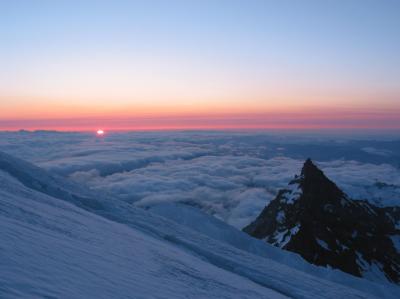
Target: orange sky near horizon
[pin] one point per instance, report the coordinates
(229, 113)
(296, 120)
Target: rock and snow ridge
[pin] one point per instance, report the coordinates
(315, 219)
(62, 241)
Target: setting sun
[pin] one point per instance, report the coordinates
(100, 132)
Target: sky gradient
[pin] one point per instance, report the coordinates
(80, 65)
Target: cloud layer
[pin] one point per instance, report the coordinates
(229, 175)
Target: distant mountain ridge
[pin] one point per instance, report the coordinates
(317, 220)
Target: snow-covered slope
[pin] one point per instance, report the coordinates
(52, 249)
(218, 230)
(54, 244)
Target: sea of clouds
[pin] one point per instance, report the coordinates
(229, 175)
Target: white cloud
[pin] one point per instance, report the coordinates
(375, 151)
(229, 175)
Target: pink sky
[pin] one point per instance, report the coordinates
(277, 120)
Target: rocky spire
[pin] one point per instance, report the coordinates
(314, 218)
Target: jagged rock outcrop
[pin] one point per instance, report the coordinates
(317, 220)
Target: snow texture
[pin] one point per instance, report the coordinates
(323, 244)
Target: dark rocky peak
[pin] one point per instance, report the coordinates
(317, 220)
(314, 183)
(311, 175)
(310, 170)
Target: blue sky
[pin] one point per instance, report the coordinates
(200, 55)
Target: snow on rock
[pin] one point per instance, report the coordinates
(280, 217)
(396, 241)
(292, 192)
(323, 244)
(283, 237)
